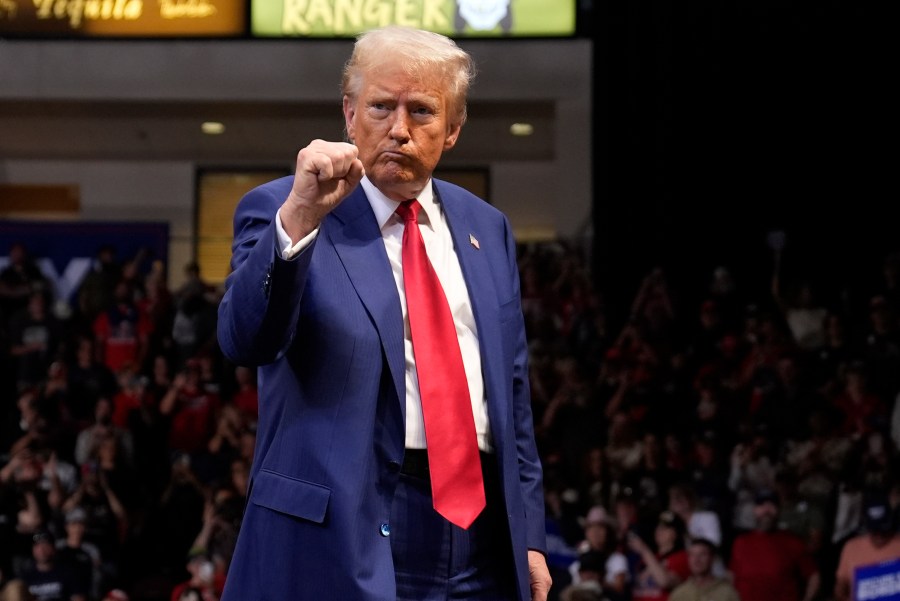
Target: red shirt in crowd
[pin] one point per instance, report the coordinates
(647, 589)
(124, 403)
(192, 421)
(860, 415)
(247, 402)
(121, 331)
(771, 566)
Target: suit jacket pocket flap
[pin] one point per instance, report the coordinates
(291, 496)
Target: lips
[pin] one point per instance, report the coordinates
(393, 155)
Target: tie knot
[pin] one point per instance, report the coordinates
(409, 210)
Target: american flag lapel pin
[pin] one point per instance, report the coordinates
(474, 241)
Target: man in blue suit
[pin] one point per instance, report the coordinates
(340, 500)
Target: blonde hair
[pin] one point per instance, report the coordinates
(419, 53)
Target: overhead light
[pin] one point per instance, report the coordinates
(212, 128)
(521, 129)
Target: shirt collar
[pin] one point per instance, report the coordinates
(384, 207)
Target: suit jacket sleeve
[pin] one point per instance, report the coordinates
(530, 472)
(259, 311)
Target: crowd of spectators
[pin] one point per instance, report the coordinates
(740, 446)
(126, 442)
(756, 425)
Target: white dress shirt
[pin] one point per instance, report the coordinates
(439, 247)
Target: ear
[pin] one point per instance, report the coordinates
(452, 135)
(349, 114)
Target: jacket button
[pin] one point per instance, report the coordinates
(385, 530)
(267, 282)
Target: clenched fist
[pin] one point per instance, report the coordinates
(326, 173)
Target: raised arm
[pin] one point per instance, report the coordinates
(258, 314)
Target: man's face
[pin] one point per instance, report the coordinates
(595, 533)
(103, 410)
(16, 254)
(401, 126)
(678, 503)
(626, 512)
(766, 515)
(700, 560)
(42, 551)
(75, 529)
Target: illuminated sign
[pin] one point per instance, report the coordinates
(457, 18)
(64, 251)
(123, 18)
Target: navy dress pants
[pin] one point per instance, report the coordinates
(435, 560)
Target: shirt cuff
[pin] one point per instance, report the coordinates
(289, 251)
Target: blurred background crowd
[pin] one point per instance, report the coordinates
(735, 439)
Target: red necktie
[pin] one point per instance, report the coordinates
(453, 460)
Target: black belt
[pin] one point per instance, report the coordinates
(415, 463)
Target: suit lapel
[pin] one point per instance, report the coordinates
(357, 241)
(473, 260)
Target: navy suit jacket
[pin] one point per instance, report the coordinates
(326, 331)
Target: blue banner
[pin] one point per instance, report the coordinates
(879, 582)
(65, 251)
